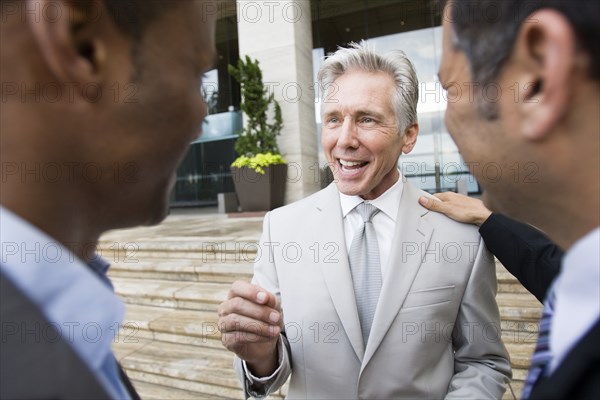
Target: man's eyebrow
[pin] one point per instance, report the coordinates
(362, 113)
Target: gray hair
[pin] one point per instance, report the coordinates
(488, 40)
(394, 63)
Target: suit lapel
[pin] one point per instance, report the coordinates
(337, 274)
(411, 238)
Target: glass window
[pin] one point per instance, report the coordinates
(205, 170)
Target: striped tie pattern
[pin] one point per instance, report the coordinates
(366, 269)
(542, 354)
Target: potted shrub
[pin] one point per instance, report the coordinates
(259, 173)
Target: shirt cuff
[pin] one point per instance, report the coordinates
(263, 383)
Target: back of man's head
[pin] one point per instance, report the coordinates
(486, 30)
(524, 78)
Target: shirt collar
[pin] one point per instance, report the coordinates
(388, 202)
(580, 273)
(577, 289)
(66, 290)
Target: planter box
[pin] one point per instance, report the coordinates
(257, 192)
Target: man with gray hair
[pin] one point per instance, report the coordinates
(359, 292)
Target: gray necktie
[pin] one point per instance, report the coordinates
(366, 269)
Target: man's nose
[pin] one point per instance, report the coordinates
(348, 135)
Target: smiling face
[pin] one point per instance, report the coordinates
(360, 134)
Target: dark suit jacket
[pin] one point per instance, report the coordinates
(535, 261)
(35, 361)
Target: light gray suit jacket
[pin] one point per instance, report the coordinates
(436, 331)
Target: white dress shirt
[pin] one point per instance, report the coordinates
(577, 306)
(384, 222)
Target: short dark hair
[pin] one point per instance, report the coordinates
(485, 30)
(131, 16)
(134, 16)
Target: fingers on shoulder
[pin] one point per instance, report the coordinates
(445, 196)
(430, 202)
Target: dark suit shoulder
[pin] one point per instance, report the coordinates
(36, 361)
(526, 252)
(578, 375)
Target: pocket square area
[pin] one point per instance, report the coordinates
(429, 296)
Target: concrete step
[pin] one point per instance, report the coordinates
(519, 307)
(519, 331)
(512, 287)
(503, 275)
(189, 327)
(222, 236)
(180, 269)
(520, 354)
(513, 392)
(171, 294)
(208, 226)
(190, 368)
(224, 249)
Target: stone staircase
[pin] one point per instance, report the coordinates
(520, 312)
(172, 278)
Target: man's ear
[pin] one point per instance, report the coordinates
(68, 41)
(544, 53)
(410, 138)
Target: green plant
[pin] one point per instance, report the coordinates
(259, 161)
(257, 142)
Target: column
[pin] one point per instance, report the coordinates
(279, 34)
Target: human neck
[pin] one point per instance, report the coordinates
(65, 222)
(386, 183)
(577, 215)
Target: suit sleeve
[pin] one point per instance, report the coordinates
(524, 251)
(265, 276)
(481, 363)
